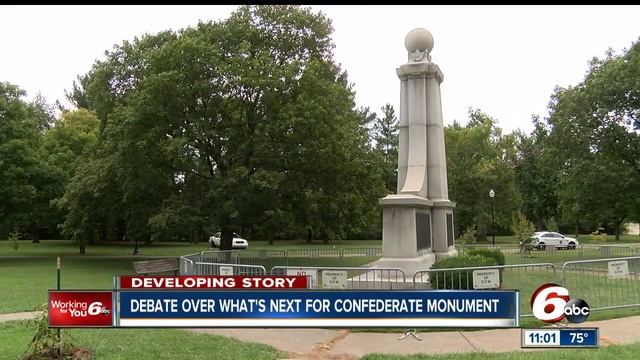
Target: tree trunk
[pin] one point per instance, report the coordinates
(482, 233)
(82, 249)
(618, 229)
(270, 237)
(308, 236)
(147, 239)
(577, 229)
(35, 232)
(226, 238)
(540, 224)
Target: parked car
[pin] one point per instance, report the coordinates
(543, 239)
(238, 242)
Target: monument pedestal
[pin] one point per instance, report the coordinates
(415, 232)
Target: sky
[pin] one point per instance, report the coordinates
(504, 60)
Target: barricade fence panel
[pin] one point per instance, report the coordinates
(228, 269)
(340, 277)
(515, 254)
(604, 283)
(297, 257)
(523, 277)
(187, 263)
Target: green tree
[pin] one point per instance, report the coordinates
(385, 135)
(522, 227)
(243, 123)
(479, 158)
(66, 146)
(536, 174)
(595, 133)
(24, 177)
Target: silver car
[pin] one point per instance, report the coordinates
(543, 239)
(238, 242)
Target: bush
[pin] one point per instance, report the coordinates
(522, 228)
(14, 238)
(47, 345)
(457, 279)
(495, 254)
(552, 225)
(469, 236)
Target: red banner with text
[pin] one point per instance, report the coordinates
(80, 308)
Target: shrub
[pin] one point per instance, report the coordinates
(46, 344)
(457, 279)
(522, 228)
(552, 225)
(14, 238)
(495, 254)
(599, 237)
(469, 236)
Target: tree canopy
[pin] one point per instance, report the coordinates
(249, 125)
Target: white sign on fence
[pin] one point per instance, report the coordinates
(486, 279)
(305, 272)
(332, 279)
(226, 271)
(618, 269)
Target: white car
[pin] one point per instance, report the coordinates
(238, 242)
(542, 239)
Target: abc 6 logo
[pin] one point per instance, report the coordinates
(551, 303)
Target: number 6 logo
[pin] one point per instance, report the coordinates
(95, 308)
(548, 302)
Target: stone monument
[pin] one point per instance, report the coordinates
(418, 220)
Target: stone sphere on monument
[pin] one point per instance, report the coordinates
(419, 39)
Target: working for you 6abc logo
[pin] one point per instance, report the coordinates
(80, 308)
(551, 303)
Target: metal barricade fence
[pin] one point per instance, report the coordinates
(266, 258)
(604, 283)
(523, 277)
(362, 252)
(219, 256)
(202, 268)
(340, 277)
(315, 253)
(515, 254)
(505, 248)
(187, 263)
(297, 257)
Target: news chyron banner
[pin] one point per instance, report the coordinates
(275, 301)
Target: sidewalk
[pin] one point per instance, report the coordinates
(346, 345)
(327, 344)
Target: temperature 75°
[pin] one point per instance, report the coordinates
(578, 338)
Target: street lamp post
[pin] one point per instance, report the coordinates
(492, 195)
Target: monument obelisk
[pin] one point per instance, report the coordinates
(418, 220)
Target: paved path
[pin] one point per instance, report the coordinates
(316, 344)
(17, 316)
(328, 344)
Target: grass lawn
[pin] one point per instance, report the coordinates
(67, 248)
(29, 278)
(142, 344)
(597, 290)
(618, 352)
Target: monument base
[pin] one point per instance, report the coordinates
(443, 255)
(408, 265)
